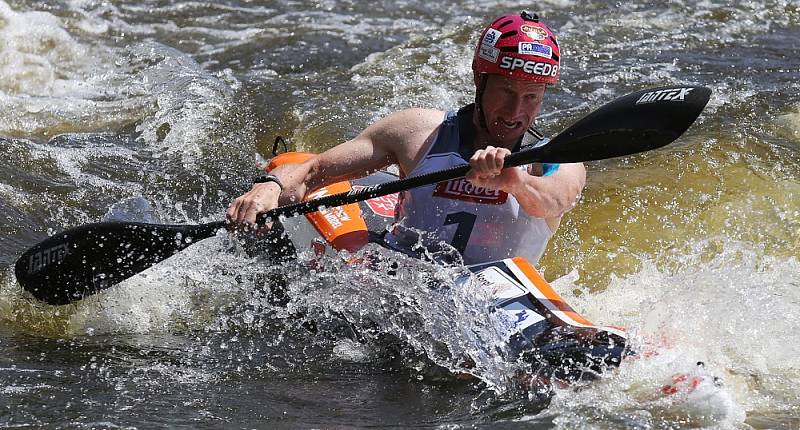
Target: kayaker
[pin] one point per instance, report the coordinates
(496, 213)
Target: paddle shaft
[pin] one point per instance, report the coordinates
(379, 190)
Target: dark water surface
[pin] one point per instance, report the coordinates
(159, 111)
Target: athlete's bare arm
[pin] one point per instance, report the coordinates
(551, 196)
(399, 138)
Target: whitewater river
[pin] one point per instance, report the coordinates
(161, 110)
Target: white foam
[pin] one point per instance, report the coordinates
(189, 100)
(790, 124)
(53, 83)
(737, 313)
(36, 55)
(49, 81)
(12, 195)
(184, 291)
(11, 390)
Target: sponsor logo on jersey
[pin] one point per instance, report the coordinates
(534, 32)
(39, 260)
(533, 48)
(461, 189)
(530, 67)
(669, 94)
(382, 206)
(488, 53)
(491, 37)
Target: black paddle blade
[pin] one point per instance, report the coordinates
(637, 122)
(84, 260)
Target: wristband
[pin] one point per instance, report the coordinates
(265, 177)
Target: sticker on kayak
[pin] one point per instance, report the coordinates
(383, 206)
(521, 315)
(506, 292)
(502, 286)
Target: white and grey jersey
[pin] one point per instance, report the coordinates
(481, 224)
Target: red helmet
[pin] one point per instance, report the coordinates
(519, 46)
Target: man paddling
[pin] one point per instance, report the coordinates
(496, 213)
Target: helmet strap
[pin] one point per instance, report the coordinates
(479, 100)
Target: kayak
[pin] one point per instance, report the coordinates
(546, 331)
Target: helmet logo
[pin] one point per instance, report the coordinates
(491, 37)
(534, 32)
(488, 53)
(537, 49)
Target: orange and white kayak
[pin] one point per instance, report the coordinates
(546, 329)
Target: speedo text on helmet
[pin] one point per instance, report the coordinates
(530, 67)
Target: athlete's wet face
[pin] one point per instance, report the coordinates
(510, 106)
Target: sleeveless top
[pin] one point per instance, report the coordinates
(445, 220)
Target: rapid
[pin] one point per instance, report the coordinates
(162, 111)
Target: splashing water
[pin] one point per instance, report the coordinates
(693, 248)
(735, 313)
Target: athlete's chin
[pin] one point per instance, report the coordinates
(507, 137)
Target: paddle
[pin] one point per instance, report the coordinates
(84, 260)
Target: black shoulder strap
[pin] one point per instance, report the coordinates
(466, 131)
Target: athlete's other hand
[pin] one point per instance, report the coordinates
(243, 211)
(486, 170)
